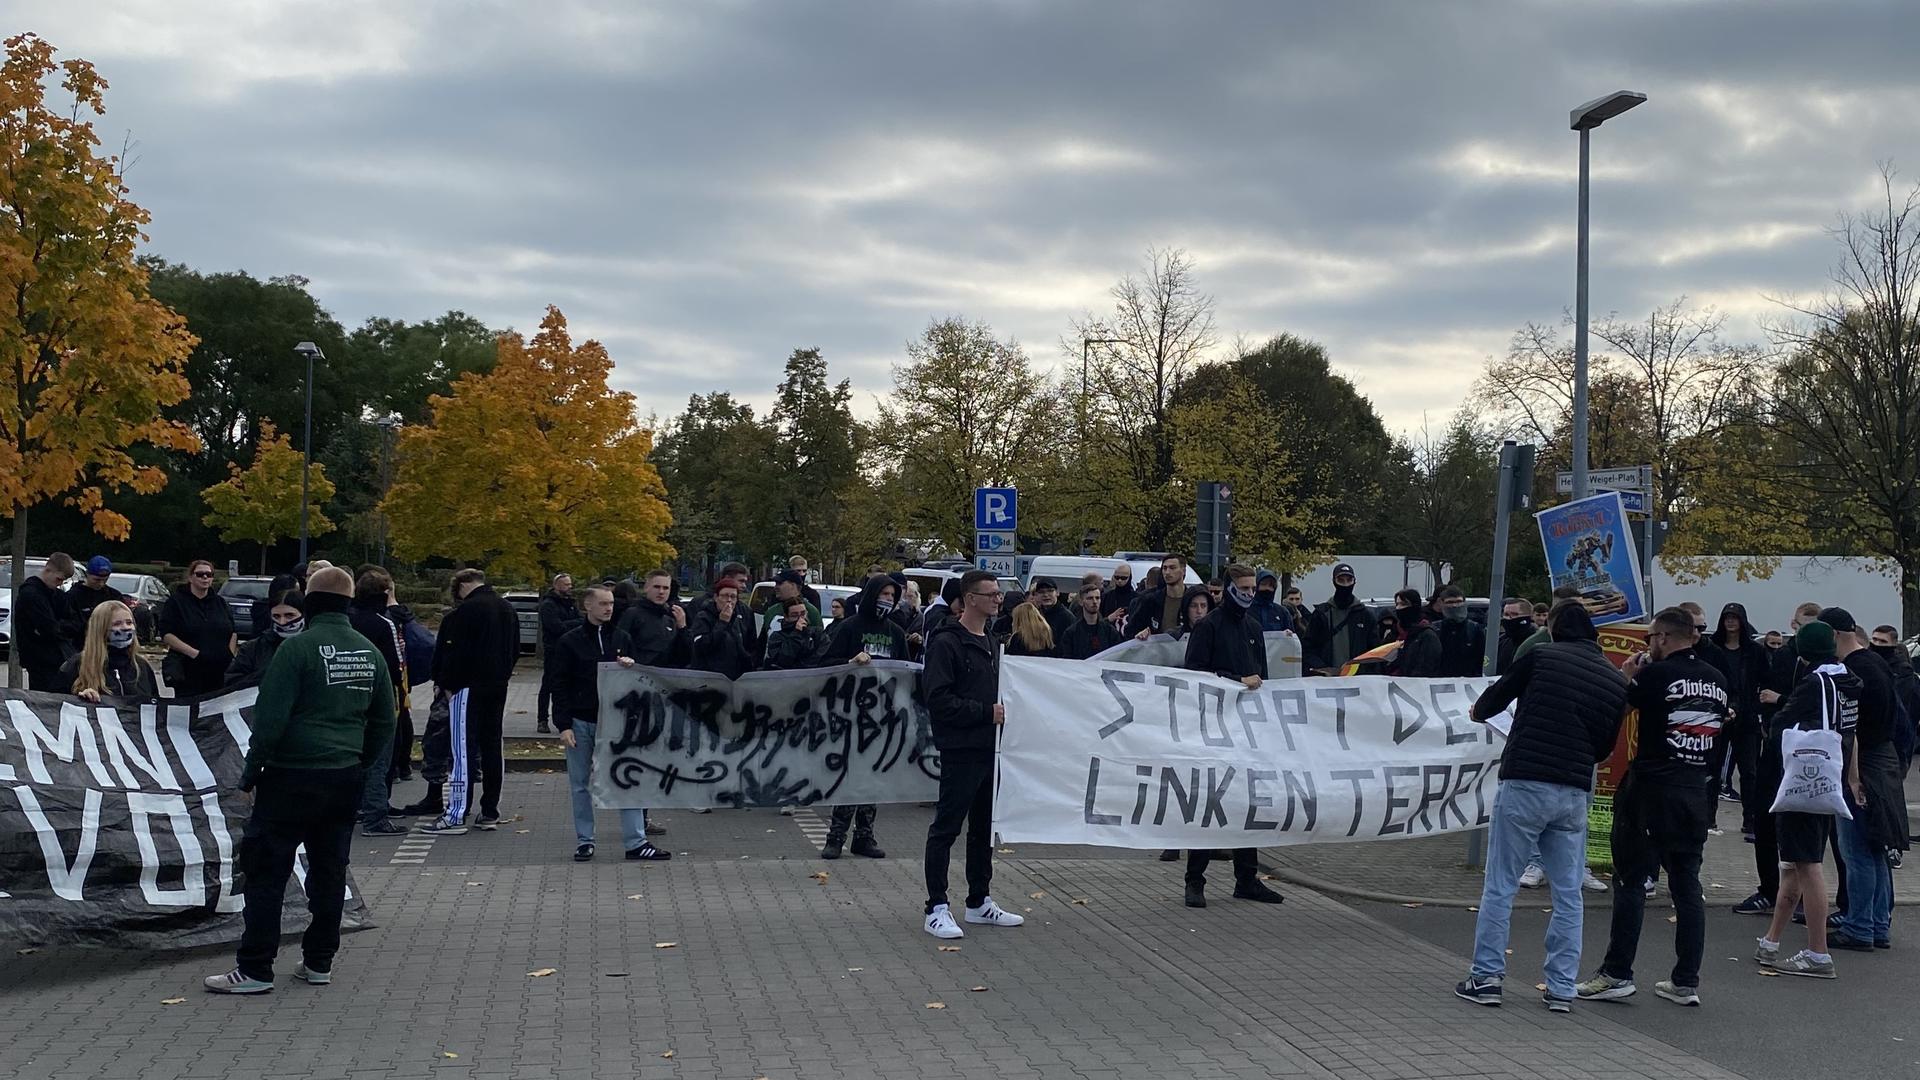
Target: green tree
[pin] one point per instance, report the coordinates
(261, 503)
(1444, 500)
(720, 464)
(411, 363)
(819, 450)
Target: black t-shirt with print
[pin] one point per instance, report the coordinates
(1682, 702)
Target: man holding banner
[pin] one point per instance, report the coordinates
(1230, 643)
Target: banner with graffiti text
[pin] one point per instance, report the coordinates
(671, 739)
(121, 822)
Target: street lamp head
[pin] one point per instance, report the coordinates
(309, 350)
(390, 422)
(1602, 109)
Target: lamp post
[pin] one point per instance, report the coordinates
(387, 425)
(1583, 120)
(312, 352)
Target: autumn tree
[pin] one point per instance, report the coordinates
(967, 410)
(1228, 437)
(261, 503)
(532, 468)
(87, 357)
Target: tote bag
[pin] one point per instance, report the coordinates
(1813, 763)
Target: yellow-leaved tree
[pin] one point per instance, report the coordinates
(87, 357)
(261, 502)
(533, 468)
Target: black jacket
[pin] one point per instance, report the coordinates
(1017, 647)
(1571, 703)
(1316, 641)
(558, 614)
(1083, 641)
(1059, 617)
(1118, 598)
(1149, 610)
(251, 661)
(1463, 648)
(961, 682)
(82, 598)
(724, 650)
(207, 625)
(747, 626)
(793, 650)
(479, 643)
(1420, 654)
(866, 630)
(657, 640)
(573, 675)
(931, 618)
(127, 676)
(1746, 668)
(371, 622)
(39, 624)
(1228, 643)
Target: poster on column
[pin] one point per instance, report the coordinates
(1589, 547)
(670, 739)
(121, 823)
(1128, 755)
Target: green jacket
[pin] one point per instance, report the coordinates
(326, 702)
(1535, 640)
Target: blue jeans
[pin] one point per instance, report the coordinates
(1869, 914)
(377, 787)
(633, 823)
(1529, 815)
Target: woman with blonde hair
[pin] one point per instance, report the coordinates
(106, 665)
(1031, 635)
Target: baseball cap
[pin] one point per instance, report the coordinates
(1840, 619)
(1344, 568)
(99, 566)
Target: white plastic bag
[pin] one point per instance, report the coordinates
(1814, 765)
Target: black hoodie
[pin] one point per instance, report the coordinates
(657, 640)
(206, 623)
(866, 630)
(1745, 668)
(961, 682)
(1228, 643)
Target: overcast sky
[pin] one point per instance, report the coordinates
(707, 185)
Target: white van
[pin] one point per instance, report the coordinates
(1065, 571)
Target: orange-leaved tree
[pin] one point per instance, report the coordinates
(87, 357)
(261, 502)
(533, 468)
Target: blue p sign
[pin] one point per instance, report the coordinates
(995, 509)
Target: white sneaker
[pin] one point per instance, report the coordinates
(1591, 883)
(1532, 876)
(993, 914)
(941, 925)
(786, 811)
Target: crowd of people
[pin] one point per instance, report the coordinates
(1714, 701)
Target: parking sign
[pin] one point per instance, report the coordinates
(995, 509)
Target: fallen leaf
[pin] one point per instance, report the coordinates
(936, 1004)
(1716, 885)
(27, 952)
(1026, 909)
(1006, 851)
(1542, 987)
(637, 896)
(541, 783)
(1473, 909)
(1509, 952)
(949, 948)
(1036, 896)
(521, 832)
(475, 883)
(1413, 905)
(769, 830)
(665, 944)
(1770, 973)
(173, 1001)
(856, 969)
(448, 1054)
(976, 989)
(540, 974)
(668, 1055)
(819, 876)
(1673, 918)
(1081, 901)
(1268, 877)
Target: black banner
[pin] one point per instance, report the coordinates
(120, 822)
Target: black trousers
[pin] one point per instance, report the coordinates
(1659, 825)
(1246, 867)
(1746, 765)
(486, 717)
(42, 677)
(291, 807)
(543, 711)
(859, 817)
(966, 794)
(1757, 798)
(402, 763)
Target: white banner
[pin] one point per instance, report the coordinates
(1128, 755)
(1165, 650)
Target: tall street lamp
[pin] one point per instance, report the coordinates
(1583, 120)
(387, 425)
(312, 352)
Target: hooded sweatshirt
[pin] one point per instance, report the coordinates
(1744, 667)
(1228, 642)
(1268, 612)
(868, 630)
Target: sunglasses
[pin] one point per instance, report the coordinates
(203, 573)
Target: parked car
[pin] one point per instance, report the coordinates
(240, 593)
(145, 593)
(527, 606)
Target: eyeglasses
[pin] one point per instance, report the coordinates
(994, 595)
(203, 573)
(1698, 629)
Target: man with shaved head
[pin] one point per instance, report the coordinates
(325, 711)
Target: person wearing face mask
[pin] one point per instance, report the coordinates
(1463, 642)
(1338, 630)
(284, 620)
(1419, 655)
(1738, 654)
(1906, 694)
(1268, 612)
(106, 665)
(1228, 643)
(1516, 626)
(1120, 594)
(85, 594)
(868, 634)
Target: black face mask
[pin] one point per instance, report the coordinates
(1519, 625)
(1343, 595)
(1892, 654)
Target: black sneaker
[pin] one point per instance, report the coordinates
(646, 852)
(399, 811)
(383, 827)
(543, 728)
(1882, 943)
(655, 829)
(1840, 939)
(424, 808)
(1757, 904)
(866, 848)
(831, 849)
(1170, 855)
(487, 822)
(583, 853)
(1557, 1004)
(1729, 795)
(1196, 896)
(1479, 991)
(1258, 892)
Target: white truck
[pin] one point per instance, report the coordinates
(1868, 588)
(1374, 576)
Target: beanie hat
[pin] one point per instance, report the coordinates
(1814, 642)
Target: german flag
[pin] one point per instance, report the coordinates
(1373, 661)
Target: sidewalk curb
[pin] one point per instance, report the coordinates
(1334, 888)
